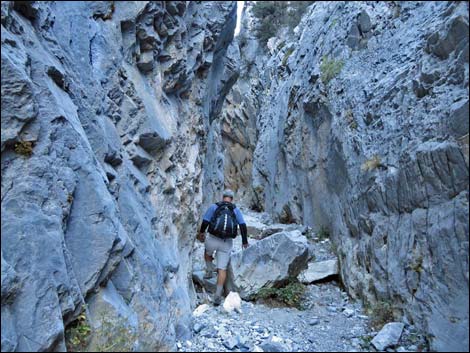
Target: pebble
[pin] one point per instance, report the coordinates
(198, 327)
(314, 322)
(230, 343)
(201, 309)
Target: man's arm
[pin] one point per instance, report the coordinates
(204, 226)
(242, 225)
(244, 232)
(207, 218)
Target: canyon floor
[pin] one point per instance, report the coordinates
(327, 319)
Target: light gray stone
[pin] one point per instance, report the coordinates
(267, 262)
(319, 270)
(388, 336)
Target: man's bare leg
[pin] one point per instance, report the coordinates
(222, 275)
(209, 265)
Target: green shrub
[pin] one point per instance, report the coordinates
(323, 233)
(296, 10)
(288, 53)
(273, 15)
(115, 335)
(281, 45)
(349, 116)
(291, 294)
(330, 68)
(25, 148)
(69, 198)
(380, 313)
(77, 334)
(365, 342)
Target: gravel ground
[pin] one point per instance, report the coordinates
(329, 322)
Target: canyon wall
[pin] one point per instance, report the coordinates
(362, 133)
(106, 113)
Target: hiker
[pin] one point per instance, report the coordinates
(222, 218)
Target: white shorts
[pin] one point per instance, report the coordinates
(221, 247)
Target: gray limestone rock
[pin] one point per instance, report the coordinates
(319, 270)
(378, 156)
(99, 160)
(388, 336)
(270, 261)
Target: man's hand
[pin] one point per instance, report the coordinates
(201, 237)
(245, 246)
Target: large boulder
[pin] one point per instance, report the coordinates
(268, 262)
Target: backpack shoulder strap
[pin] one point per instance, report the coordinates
(217, 210)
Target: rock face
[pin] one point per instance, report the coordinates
(240, 109)
(106, 108)
(266, 263)
(362, 128)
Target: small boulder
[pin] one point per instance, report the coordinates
(209, 284)
(388, 336)
(319, 270)
(363, 21)
(201, 309)
(198, 327)
(233, 302)
(145, 63)
(230, 343)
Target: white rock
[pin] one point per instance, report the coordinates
(319, 270)
(201, 309)
(233, 302)
(388, 336)
(348, 312)
(257, 349)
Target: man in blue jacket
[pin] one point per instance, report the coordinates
(222, 218)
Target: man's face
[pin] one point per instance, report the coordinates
(227, 199)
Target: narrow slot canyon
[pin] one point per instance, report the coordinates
(341, 128)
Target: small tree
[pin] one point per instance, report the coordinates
(273, 15)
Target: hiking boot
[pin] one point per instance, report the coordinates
(217, 300)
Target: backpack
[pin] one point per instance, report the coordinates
(224, 223)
